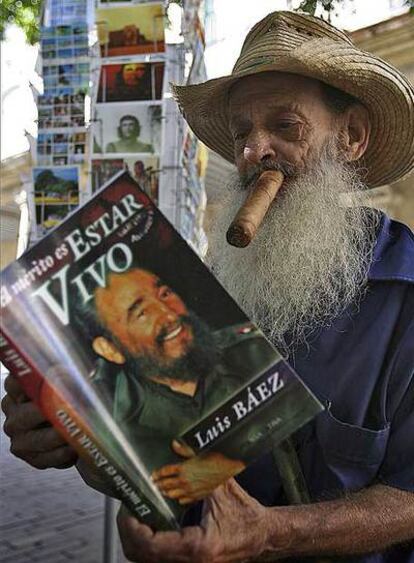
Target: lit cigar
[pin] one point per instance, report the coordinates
(249, 217)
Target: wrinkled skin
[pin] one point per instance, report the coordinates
(195, 478)
(221, 537)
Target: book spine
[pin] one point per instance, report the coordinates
(74, 430)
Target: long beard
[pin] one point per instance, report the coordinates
(310, 258)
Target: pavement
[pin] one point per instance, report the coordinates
(48, 516)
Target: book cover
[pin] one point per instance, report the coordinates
(140, 358)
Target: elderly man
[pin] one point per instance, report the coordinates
(329, 281)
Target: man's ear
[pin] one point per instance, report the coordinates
(105, 348)
(355, 132)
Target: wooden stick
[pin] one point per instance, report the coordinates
(249, 217)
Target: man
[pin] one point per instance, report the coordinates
(162, 369)
(147, 179)
(128, 132)
(333, 283)
(142, 176)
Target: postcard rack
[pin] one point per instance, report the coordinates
(106, 106)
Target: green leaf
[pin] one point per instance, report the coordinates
(308, 6)
(23, 13)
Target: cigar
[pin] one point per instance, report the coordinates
(249, 217)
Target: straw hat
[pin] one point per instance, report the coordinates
(305, 45)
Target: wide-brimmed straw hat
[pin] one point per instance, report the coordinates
(308, 46)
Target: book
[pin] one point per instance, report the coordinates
(140, 359)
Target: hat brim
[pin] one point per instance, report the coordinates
(384, 91)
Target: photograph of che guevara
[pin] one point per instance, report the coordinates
(130, 82)
(128, 128)
(168, 347)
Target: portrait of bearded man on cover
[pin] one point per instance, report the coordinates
(162, 369)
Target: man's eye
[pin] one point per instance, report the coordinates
(286, 124)
(239, 135)
(291, 130)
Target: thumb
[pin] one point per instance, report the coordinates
(13, 388)
(182, 449)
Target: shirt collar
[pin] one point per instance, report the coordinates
(393, 253)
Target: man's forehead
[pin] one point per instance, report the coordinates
(122, 288)
(134, 276)
(123, 284)
(278, 84)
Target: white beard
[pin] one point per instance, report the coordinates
(310, 257)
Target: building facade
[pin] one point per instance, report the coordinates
(393, 41)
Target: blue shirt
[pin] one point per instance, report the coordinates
(362, 369)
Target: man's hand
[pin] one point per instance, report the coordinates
(233, 529)
(32, 438)
(195, 478)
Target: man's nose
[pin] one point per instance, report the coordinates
(166, 313)
(259, 148)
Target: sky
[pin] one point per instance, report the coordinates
(18, 110)
(232, 24)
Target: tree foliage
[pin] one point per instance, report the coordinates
(329, 6)
(25, 13)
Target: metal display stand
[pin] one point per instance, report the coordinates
(111, 541)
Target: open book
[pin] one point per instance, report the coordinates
(140, 358)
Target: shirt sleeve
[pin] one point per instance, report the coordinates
(397, 470)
